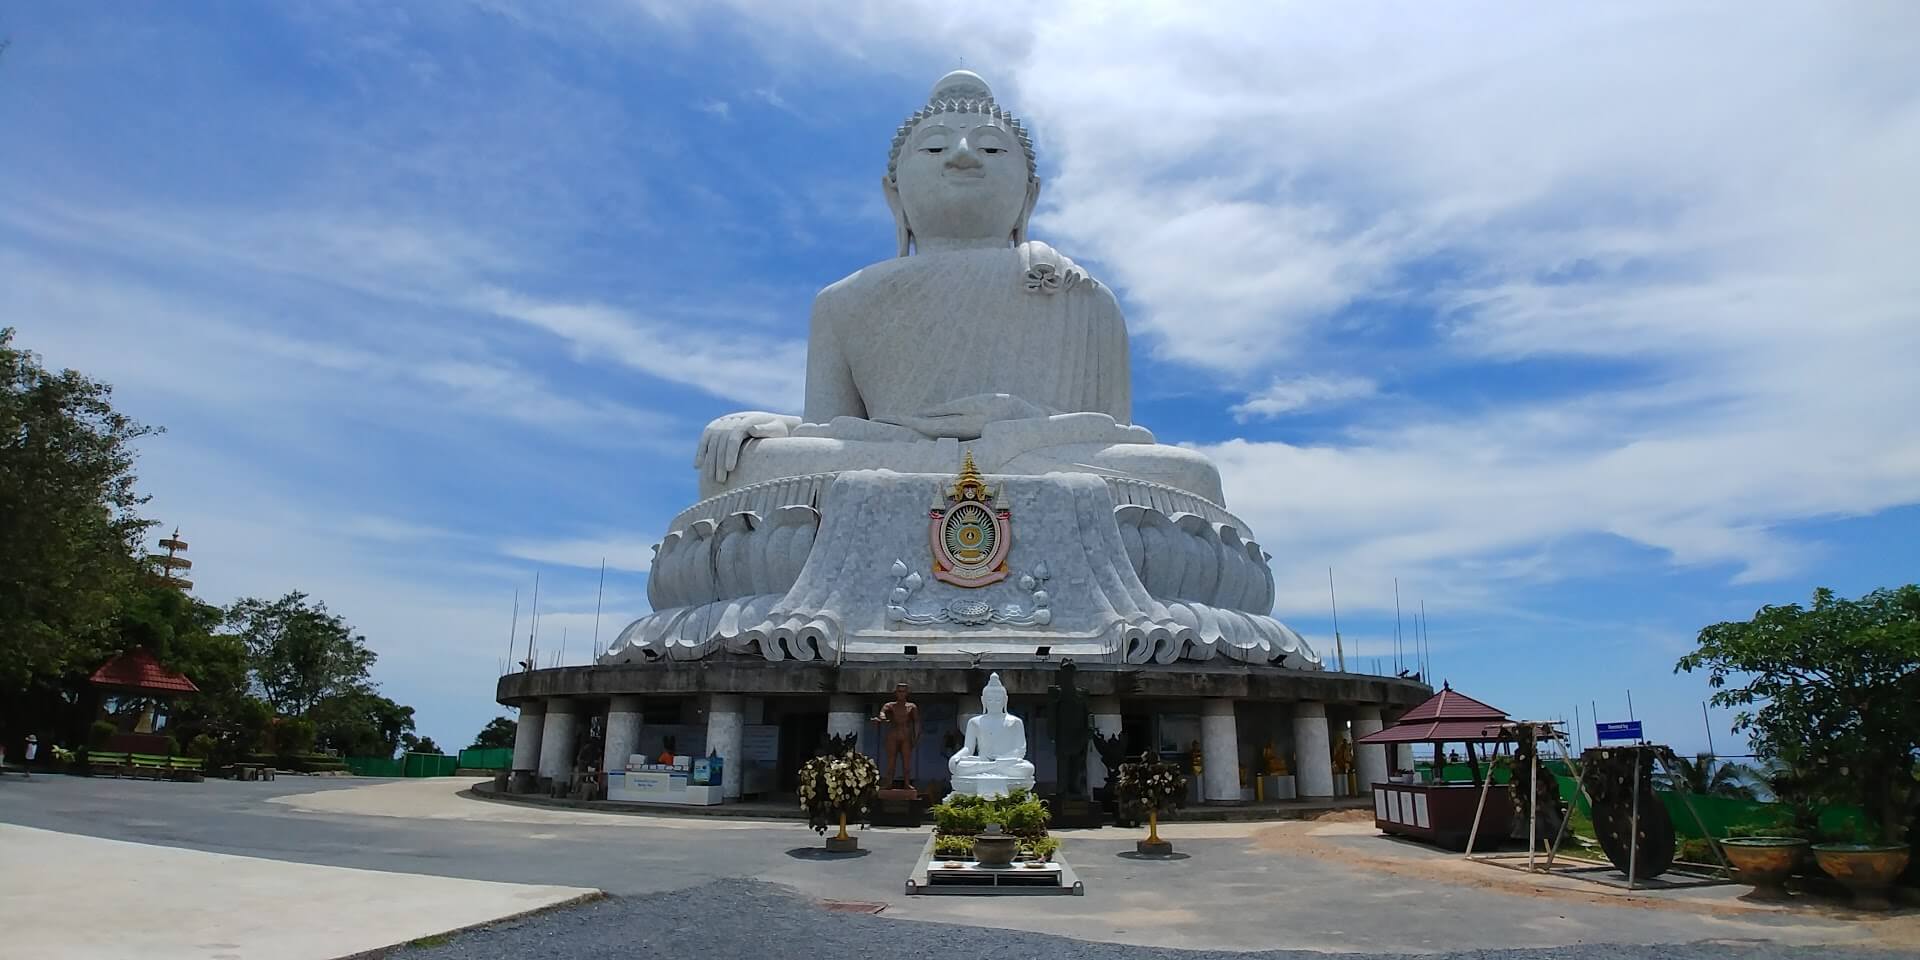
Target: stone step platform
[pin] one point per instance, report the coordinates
(937, 875)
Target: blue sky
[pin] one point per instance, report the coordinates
(1590, 326)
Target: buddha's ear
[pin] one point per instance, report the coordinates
(1020, 225)
(902, 234)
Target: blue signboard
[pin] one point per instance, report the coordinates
(1630, 730)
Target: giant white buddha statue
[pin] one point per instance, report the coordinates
(973, 332)
(977, 382)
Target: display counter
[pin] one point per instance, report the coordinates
(1442, 813)
(660, 783)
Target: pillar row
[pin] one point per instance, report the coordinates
(526, 735)
(1219, 752)
(1312, 751)
(557, 739)
(726, 725)
(623, 731)
(1369, 759)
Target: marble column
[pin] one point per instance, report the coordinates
(1219, 752)
(1369, 759)
(557, 739)
(526, 735)
(1312, 751)
(726, 722)
(623, 731)
(1106, 723)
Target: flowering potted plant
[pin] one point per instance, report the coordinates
(1149, 786)
(838, 784)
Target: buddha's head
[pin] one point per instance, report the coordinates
(993, 697)
(961, 169)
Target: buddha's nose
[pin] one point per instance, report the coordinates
(963, 157)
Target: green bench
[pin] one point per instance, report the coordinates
(145, 764)
(118, 762)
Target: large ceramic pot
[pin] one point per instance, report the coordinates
(1764, 862)
(1868, 870)
(993, 849)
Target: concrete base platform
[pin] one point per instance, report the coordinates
(931, 875)
(167, 903)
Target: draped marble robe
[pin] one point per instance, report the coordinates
(898, 339)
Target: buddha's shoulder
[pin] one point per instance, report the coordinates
(1032, 265)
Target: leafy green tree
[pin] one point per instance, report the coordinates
(1832, 690)
(415, 744)
(181, 632)
(1708, 776)
(301, 654)
(67, 518)
(499, 732)
(362, 724)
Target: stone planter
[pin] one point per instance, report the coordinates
(1153, 846)
(995, 849)
(1764, 862)
(844, 842)
(1868, 870)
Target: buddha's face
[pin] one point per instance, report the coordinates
(962, 176)
(994, 700)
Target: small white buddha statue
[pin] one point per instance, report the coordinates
(993, 761)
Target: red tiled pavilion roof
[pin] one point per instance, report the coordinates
(1451, 704)
(1447, 716)
(138, 671)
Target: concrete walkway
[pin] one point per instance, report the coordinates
(68, 897)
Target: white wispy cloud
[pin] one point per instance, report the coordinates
(1291, 395)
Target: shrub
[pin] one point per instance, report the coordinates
(1020, 813)
(291, 736)
(838, 785)
(953, 847)
(202, 746)
(1148, 785)
(1695, 850)
(1039, 848)
(99, 732)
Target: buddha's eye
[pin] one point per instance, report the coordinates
(932, 149)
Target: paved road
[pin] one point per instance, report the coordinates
(1229, 895)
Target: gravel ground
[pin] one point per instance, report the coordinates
(748, 919)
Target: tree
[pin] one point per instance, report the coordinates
(499, 732)
(415, 744)
(362, 724)
(181, 632)
(1706, 776)
(1833, 690)
(67, 518)
(301, 654)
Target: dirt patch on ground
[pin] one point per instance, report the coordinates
(1324, 840)
(1342, 816)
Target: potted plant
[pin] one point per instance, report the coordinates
(1833, 692)
(1764, 857)
(993, 831)
(838, 784)
(1148, 787)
